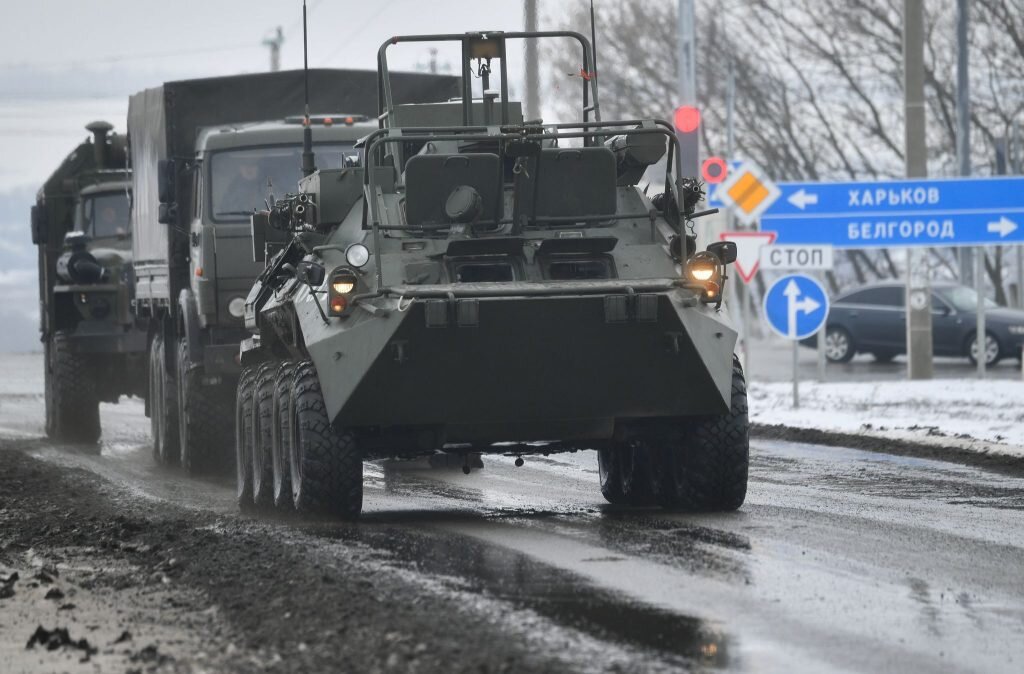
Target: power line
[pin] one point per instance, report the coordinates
(358, 29)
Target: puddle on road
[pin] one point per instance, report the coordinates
(467, 564)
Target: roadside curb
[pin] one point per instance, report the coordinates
(937, 451)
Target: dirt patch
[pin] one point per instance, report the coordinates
(153, 587)
(1000, 463)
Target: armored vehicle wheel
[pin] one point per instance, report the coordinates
(163, 405)
(51, 411)
(202, 415)
(707, 469)
(281, 439)
(262, 435)
(626, 476)
(243, 438)
(325, 466)
(73, 400)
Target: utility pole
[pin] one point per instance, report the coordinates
(963, 121)
(687, 65)
(531, 65)
(919, 297)
(274, 44)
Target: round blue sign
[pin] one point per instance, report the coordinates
(796, 306)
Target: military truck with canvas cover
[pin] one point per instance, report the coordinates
(485, 283)
(80, 223)
(206, 153)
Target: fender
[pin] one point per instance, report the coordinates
(189, 328)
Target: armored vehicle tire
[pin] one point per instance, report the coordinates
(325, 466)
(262, 435)
(51, 412)
(625, 471)
(708, 470)
(281, 440)
(202, 412)
(243, 438)
(75, 405)
(163, 405)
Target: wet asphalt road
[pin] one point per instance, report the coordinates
(841, 560)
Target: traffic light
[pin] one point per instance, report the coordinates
(687, 123)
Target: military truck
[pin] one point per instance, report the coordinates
(485, 283)
(81, 226)
(205, 156)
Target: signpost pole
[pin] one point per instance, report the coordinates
(918, 298)
(979, 287)
(796, 374)
(821, 344)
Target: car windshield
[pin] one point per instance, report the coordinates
(964, 298)
(242, 180)
(104, 216)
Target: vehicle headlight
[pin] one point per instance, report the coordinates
(236, 307)
(343, 282)
(703, 267)
(357, 255)
(343, 286)
(1016, 329)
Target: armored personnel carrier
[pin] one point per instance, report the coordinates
(483, 283)
(80, 223)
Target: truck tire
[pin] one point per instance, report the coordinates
(163, 405)
(626, 474)
(281, 440)
(203, 411)
(243, 438)
(706, 470)
(74, 401)
(325, 465)
(263, 435)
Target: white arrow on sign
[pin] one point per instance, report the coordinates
(806, 305)
(1003, 226)
(802, 198)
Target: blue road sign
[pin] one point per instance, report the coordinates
(926, 212)
(796, 306)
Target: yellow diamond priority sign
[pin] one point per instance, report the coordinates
(748, 191)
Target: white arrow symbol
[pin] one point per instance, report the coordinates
(1003, 226)
(806, 305)
(802, 198)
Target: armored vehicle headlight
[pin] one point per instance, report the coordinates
(343, 282)
(357, 255)
(343, 286)
(236, 307)
(703, 267)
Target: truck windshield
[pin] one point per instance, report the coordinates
(241, 180)
(104, 216)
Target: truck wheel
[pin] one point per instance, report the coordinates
(707, 470)
(262, 435)
(281, 438)
(204, 436)
(625, 472)
(243, 438)
(76, 407)
(163, 405)
(325, 465)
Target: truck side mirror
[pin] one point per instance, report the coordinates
(168, 214)
(40, 233)
(724, 251)
(311, 273)
(165, 181)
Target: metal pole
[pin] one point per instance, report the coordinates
(687, 66)
(821, 340)
(531, 62)
(796, 374)
(274, 43)
(919, 297)
(963, 120)
(1016, 156)
(979, 287)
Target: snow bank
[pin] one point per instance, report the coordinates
(983, 416)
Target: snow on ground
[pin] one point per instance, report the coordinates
(984, 416)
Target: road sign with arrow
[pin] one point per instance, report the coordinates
(899, 213)
(796, 306)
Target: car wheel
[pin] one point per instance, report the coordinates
(993, 352)
(838, 345)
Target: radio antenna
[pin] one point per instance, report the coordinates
(593, 37)
(308, 160)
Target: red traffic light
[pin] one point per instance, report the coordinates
(687, 119)
(714, 170)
